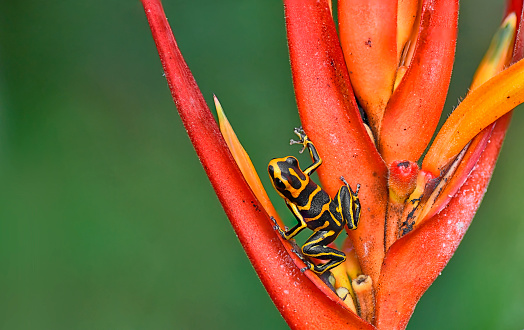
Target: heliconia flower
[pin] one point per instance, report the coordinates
(370, 98)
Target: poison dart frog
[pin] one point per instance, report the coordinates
(313, 207)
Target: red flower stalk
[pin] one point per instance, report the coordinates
(370, 101)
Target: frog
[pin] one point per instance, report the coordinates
(313, 208)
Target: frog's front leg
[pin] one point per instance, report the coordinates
(316, 247)
(288, 234)
(306, 142)
(348, 204)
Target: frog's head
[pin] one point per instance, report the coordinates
(287, 177)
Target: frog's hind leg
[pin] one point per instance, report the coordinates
(348, 204)
(316, 247)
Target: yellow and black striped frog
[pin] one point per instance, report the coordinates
(313, 207)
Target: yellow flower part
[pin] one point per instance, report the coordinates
(244, 162)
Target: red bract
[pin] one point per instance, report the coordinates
(330, 117)
(394, 59)
(413, 112)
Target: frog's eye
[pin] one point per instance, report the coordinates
(279, 183)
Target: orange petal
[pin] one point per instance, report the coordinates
(480, 108)
(331, 119)
(244, 163)
(414, 109)
(368, 34)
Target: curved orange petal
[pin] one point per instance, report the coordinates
(414, 109)
(368, 34)
(480, 108)
(414, 261)
(331, 119)
(244, 162)
(302, 304)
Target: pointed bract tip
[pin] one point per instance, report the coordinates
(499, 53)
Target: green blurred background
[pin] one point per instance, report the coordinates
(107, 220)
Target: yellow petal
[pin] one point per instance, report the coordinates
(499, 52)
(342, 281)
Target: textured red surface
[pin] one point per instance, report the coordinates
(368, 34)
(414, 109)
(414, 261)
(330, 117)
(403, 177)
(516, 6)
